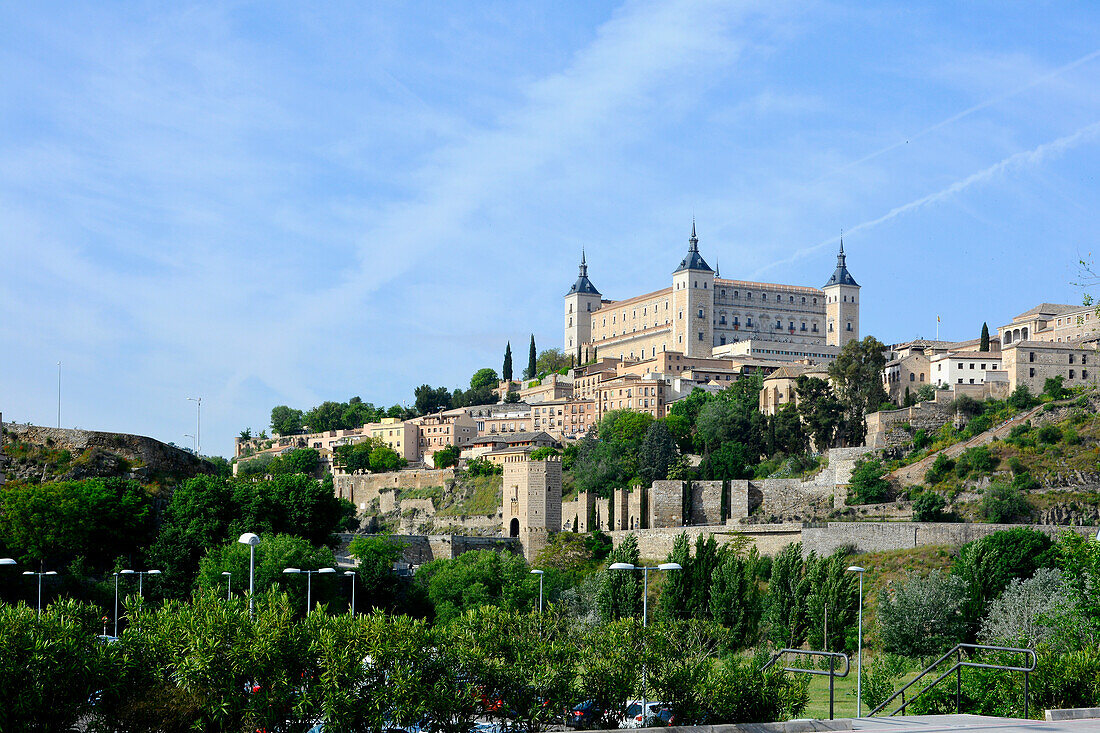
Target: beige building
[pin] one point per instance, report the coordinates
(402, 436)
(1055, 322)
(702, 311)
(1031, 363)
(532, 499)
(552, 387)
(907, 372)
(780, 387)
(631, 392)
(441, 429)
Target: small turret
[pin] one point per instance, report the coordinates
(693, 260)
(583, 284)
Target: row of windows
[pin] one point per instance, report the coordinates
(778, 298)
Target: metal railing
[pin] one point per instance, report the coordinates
(957, 669)
(831, 672)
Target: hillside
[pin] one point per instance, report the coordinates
(34, 454)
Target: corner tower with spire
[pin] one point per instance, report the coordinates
(841, 303)
(693, 303)
(580, 302)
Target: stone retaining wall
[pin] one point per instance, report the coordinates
(885, 536)
(655, 544)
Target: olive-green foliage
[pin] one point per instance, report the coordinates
(370, 455)
(1053, 388)
(539, 454)
(988, 564)
(736, 599)
(620, 591)
(299, 460)
(835, 591)
(939, 469)
(785, 615)
(928, 506)
(484, 467)
(922, 616)
(1003, 503)
(976, 461)
(1049, 434)
(1021, 398)
(445, 457)
(477, 578)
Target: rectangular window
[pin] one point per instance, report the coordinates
(1071, 374)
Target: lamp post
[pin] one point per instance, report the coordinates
(7, 561)
(194, 441)
(309, 581)
(351, 574)
(48, 572)
(198, 422)
(859, 648)
(228, 585)
(645, 614)
(116, 605)
(251, 540)
(539, 573)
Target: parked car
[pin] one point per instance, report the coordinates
(584, 716)
(665, 717)
(633, 716)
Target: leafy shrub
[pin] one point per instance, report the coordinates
(867, 485)
(1016, 466)
(1071, 437)
(939, 470)
(1002, 503)
(1025, 482)
(979, 424)
(1049, 434)
(966, 405)
(921, 616)
(1053, 388)
(1021, 398)
(1018, 616)
(921, 440)
(928, 507)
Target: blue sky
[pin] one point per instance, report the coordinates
(282, 203)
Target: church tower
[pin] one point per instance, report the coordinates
(693, 303)
(841, 304)
(580, 302)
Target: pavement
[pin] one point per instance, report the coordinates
(976, 723)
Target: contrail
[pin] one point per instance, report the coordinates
(968, 111)
(1018, 160)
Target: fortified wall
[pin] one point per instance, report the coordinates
(420, 549)
(828, 537)
(362, 489)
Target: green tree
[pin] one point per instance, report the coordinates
(429, 400)
(657, 453)
(820, 410)
(987, 565)
(867, 484)
(833, 593)
(620, 592)
(928, 506)
(274, 553)
(446, 457)
(857, 373)
(475, 579)
(736, 600)
(1021, 398)
(984, 345)
(506, 371)
(96, 519)
(285, 420)
(1054, 389)
(923, 616)
(703, 565)
(326, 416)
(551, 360)
(379, 587)
(676, 590)
(532, 361)
(484, 378)
(512, 397)
(1003, 503)
(785, 615)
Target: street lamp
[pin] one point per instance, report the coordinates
(141, 577)
(229, 585)
(351, 574)
(645, 613)
(7, 561)
(48, 572)
(309, 581)
(859, 658)
(251, 540)
(198, 422)
(539, 573)
(194, 441)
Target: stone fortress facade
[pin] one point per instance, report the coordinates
(703, 314)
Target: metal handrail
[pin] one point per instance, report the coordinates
(957, 669)
(832, 674)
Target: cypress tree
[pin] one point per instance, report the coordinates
(531, 370)
(506, 372)
(985, 338)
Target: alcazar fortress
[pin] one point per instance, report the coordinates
(702, 314)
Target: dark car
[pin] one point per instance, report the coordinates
(586, 715)
(663, 717)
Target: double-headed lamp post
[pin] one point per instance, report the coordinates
(31, 572)
(141, 577)
(859, 648)
(251, 540)
(228, 585)
(539, 573)
(309, 581)
(645, 612)
(351, 574)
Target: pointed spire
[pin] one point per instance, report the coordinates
(717, 269)
(841, 276)
(693, 241)
(583, 284)
(693, 260)
(584, 265)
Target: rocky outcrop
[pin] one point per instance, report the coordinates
(37, 453)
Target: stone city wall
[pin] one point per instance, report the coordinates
(884, 429)
(655, 544)
(419, 549)
(361, 489)
(706, 502)
(665, 501)
(885, 536)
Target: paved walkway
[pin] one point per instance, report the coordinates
(935, 723)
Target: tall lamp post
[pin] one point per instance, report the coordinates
(48, 572)
(351, 574)
(228, 585)
(198, 422)
(251, 540)
(539, 573)
(645, 614)
(309, 581)
(116, 603)
(859, 652)
(141, 577)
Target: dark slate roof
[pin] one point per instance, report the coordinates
(583, 284)
(693, 260)
(841, 276)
